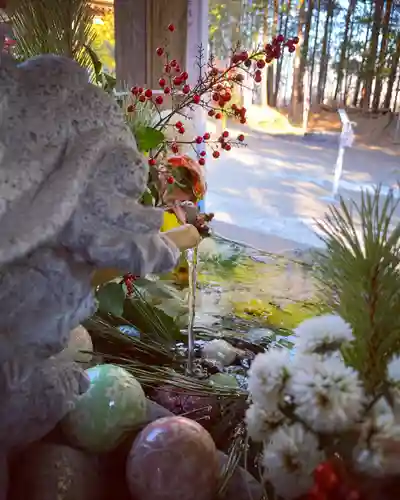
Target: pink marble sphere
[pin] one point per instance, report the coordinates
(173, 458)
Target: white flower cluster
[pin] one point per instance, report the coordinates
(294, 400)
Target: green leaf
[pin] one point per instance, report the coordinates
(147, 198)
(111, 299)
(148, 138)
(97, 65)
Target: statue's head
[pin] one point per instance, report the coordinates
(63, 146)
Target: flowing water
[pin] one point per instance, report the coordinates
(192, 259)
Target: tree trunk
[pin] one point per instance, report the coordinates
(304, 50)
(396, 95)
(270, 77)
(362, 67)
(382, 55)
(327, 55)
(324, 54)
(280, 60)
(392, 76)
(373, 46)
(264, 89)
(314, 50)
(343, 50)
(296, 86)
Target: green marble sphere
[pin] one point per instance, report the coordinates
(114, 404)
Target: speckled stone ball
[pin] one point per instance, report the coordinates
(173, 458)
(114, 404)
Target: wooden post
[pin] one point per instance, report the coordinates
(130, 42)
(141, 27)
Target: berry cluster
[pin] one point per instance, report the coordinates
(128, 281)
(330, 484)
(213, 91)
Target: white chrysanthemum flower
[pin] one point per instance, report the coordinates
(378, 450)
(268, 374)
(322, 334)
(393, 370)
(327, 394)
(261, 422)
(289, 459)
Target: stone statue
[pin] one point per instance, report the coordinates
(70, 180)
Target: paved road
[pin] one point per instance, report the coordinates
(278, 186)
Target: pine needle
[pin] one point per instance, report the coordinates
(360, 277)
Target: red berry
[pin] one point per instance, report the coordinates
(159, 99)
(280, 38)
(177, 81)
(260, 63)
(221, 103)
(160, 51)
(227, 97)
(214, 72)
(167, 90)
(186, 89)
(325, 476)
(292, 48)
(134, 90)
(227, 147)
(296, 40)
(243, 121)
(202, 161)
(216, 154)
(131, 108)
(152, 162)
(277, 52)
(244, 56)
(218, 116)
(177, 69)
(215, 97)
(171, 27)
(196, 99)
(148, 93)
(178, 124)
(140, 90)
(247, 63)
(225, 134)
(142, 98)
(258, 79)
(170, 179)
(162, 82)
(234, 107)
(211, 112)
(181, 130)
(173, 63)
(167, 68)
(241, 137)
(199, 139)
(316, 494)
(268, 48)
(184, 75)
(203, 153)
(206, 136)
(175, 148)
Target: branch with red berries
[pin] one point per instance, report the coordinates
(174, 102)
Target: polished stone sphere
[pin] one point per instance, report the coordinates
(113, 405)
(173, 458)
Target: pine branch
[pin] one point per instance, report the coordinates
(62, 27)
(360, 278)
